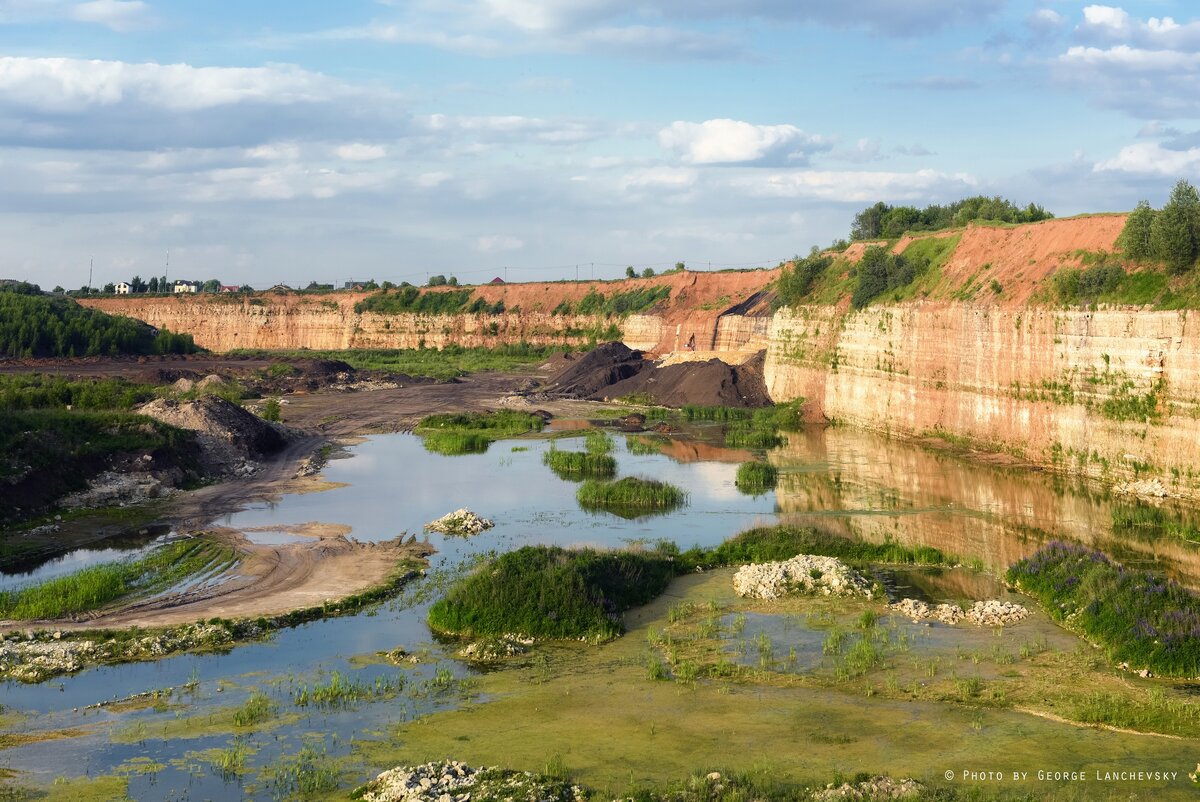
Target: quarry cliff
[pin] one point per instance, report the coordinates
(977, 352)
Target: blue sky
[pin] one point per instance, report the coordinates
(303, 140)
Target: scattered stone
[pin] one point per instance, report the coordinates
(402, 657)
(805, 573)
(492, 650)
(876, 788)
(460, 522)
(991, 613)
(452, 781)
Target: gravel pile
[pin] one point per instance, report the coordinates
(460, 522)
(452, 781)
(991, 613)
(805, 573)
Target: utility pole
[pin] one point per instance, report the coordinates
(167, 265)
(91, 264)
(592, 272)
(577, 272)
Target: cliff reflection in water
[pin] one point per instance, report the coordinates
(866, 486)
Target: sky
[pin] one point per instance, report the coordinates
(307, 140)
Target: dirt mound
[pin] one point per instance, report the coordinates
(710, 384)
(599, 368)
(229, 436)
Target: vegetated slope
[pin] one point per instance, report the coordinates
(985, 263)
(40, 326)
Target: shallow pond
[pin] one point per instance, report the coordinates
(853, 483)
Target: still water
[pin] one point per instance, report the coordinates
(853, 483)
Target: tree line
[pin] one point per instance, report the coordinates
(884, 221)
(41, 326)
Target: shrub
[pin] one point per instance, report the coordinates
(797, 279)
(411, 299)
(775, 543)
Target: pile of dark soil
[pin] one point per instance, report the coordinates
(707, 384)
(601, 367)
(228, 435)
(614, 371)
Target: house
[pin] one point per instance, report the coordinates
(230, 288)
(186, 286)
(122, 288)
(496, 280)
(352, 285)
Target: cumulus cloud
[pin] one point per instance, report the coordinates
(1148, 68)
(858, 186)
(1152, 158)
(67, 102)
(726, 141)
(360, 152)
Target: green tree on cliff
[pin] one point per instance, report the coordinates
(1135, 237)
(1175, 232)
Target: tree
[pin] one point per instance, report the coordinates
(212, 285)
(868, 224)
(437, 281)
(153, 285)
(245, 288)
(58, 290)
(110, 288)
(136, 284)
(680, 266)
(1135, 237)
(648, 272)
(452, 281)
(630, 272)
(1175, 231)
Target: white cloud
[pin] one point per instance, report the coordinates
(659, 178)
(1152, 158)
(119, 15)
(736, 142)
(857, 186)
(1112, 24)
(360, 152)
(498, 244)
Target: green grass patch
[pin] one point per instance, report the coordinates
(645, 445)
(27, 391)
(472, 432)
(94, 587)
(443, 364)
(1147, 522)
(1155, 712)
(1139, 618)
(775, 543)
(551, 592)
(258, 709)
(341, 691)
(576, 465)
(630, 497)
(598, 442)
(756, 478)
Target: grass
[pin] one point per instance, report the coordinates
(630, 497)
(774, 543)
(598, 442)
(643, 446)
(1148, 522)
(308, 773)
(472, 432)
(551, 592)
(339, 691)
(258, 709)
(1137, 617)
(576, 465)
(94, 587)
(444, 364)
(38, 391)
(756, 478)
(1155, 712)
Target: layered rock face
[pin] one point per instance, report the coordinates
(1111, 394)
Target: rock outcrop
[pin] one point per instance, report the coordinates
(804, 573)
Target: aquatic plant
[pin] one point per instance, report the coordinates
(96, 586)
(645, 445)
(598, 442)
(1140, 618)
(630, 497)
(454, 433)
(340, 691)
(574, 465)
(756, 478)
(551, 592)
(257, 709)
